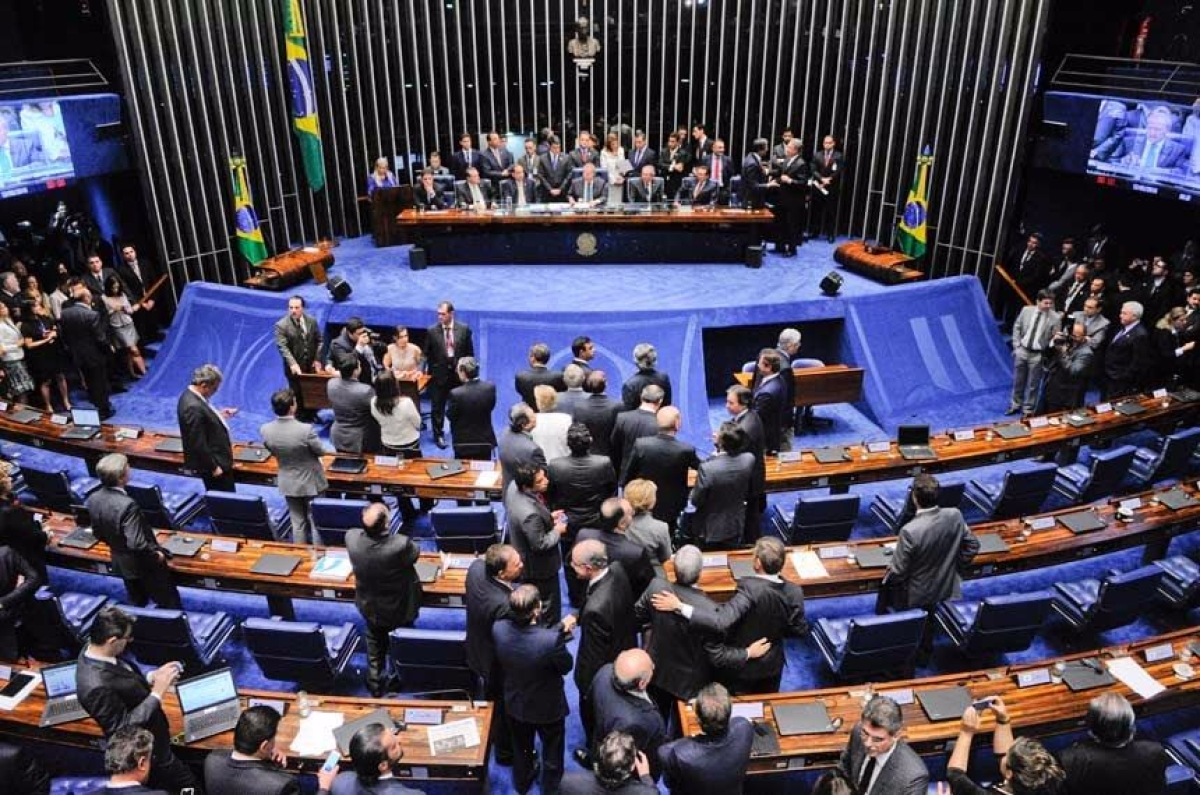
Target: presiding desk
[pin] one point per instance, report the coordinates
(417, 763)
(314, 389)
(820, 386)
(1037, 710)
(556, 233)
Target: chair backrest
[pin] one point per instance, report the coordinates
(1108, 469)
(805, 364)
(1008, 623)
(464, 530)
(77, 785)
(293, 651)
(950, 495)
(659, 183)
(333, 517)
(149, 498)
(1123, 597)
(160, 636)
(1177, 451)
(828, 518)
(750, 366)
(881, 643)
(241, 515)
(1024, 491)
(53, 489)
(431, 657)
(577, 172)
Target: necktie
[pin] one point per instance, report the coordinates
(864, 781)
(1151, 158)
(828, 157)
(716, 175)
(300, 328)
(587, 191)
(5, 161)
(696, 193)
(554, 162)
(637, 157)
(1033, 339)
(449, 332)
(520, 193)
(476, 196)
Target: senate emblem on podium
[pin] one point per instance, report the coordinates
(585, 245)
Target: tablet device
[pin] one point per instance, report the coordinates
(1082, 522)
(278, 565)
(444, 469)
(946, 703)
(348, 466)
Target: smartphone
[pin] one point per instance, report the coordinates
(17, 684)
(331, 762)
(982, 704)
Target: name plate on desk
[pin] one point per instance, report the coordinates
(223, 545)
(1039, 422)
(901, 697)
(415, 716)
(750, 710)
(790, 457)
(387, 460)
(714, 561)
(128, 433)
(1040, 523)
(1038, 676)
(450, 737)
(483, 466)
(879, 447)
(59, 419)
(1159, 394)
(1163, 651)
(1130, 505)
(967, 435)
(1103, 408)
(3, 405)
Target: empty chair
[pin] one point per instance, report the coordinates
(805, 419)
(55, 623)
(1184, 748)
(332, 517)
(816, 519)
(192, 637)
(1167, 459)
(56, 489)
(464, 530)
(430, 658)
(1099, 478)
(867, 645)
(997, 624)
(170, 509)
(1021, 493)
(77, 785)
(1181, 580)
(896, 513)
(247, 516)
(300, 651)
(1115, 601)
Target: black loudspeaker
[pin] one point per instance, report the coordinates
(754, 256)
(831, 283)
(417, 259)
(339, 288)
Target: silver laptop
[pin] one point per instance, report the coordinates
(62, 705)
(913, 441)
(209, 703)
(85, 423)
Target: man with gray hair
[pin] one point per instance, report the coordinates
(573, 378)
(136, 554)
(635, 424)
(1128, 355)
(207, 450)
(517, 447)
(127, 759)
(877, 760)
(645, 356)
(1110, 761)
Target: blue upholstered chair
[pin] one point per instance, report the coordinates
(332, 517)
(1100, 477)
(1115, 601)
(1168, 458)
(1021, 493)
(56, 489)
(862, 646)
(431, 658)
(1180, 584)
(300, 651)
(77, 785)
(816, 519)
(895, 513)
(247, 516)
(194, 638)
(464, 530)
(997, 624)
(54, 623)
(1183, 777)
(173, 510)
(445, 183)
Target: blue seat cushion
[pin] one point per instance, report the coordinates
(79, 607)
(835, 630)
(83, 486)
(206, 625)
(963, 611)
(1081, 593)
(1180, 568)
(1075, 473)
(336, 636)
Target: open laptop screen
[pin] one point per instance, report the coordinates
(89, 418)
(59, 679)
(912, 435)
(205, 691)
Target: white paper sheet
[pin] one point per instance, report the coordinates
(315, 736)
(808, 565)
(487, 480)
(1135, 677)
(450, 737)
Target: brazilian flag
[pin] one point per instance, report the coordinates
(304, 97)
(911, 234)
(249, 236)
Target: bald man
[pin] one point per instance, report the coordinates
(665, 460)
(621, 701)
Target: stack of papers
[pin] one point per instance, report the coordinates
(487, 480)
(315, 736)
(332, 567)
(808, 565)
(1135, 677)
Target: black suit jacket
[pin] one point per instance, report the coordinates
(119, 695)
(606, 625)
(666, 159)
(441, 364)
(14, 594)
(578, 485)
(136, 287)
(633, 557)
(462, 194)
(297, 348)
(21, 771)
(558, 178)
(599, 413)
(599, 190)
(709, 192)
(461, 160)
(727, 169)
(1127, 357)
(833, 168)
(768, 404)
(526, 380)
(1033, 274)
(118, 521)
(644, 157)
(487, 603)
(630, 426)
(206, 444)
(531, 532)
(708, 764)
(508, 190)
(701, 149)
(760, 608)
(229, 776)
(666, 461)
(387, 589)
(516, 449)
(616, 710)
(638, 192)
(752, 424)
(494, 164)
(680, 651)
(631, 390)
(470, 413)
(534, 660)
(723, 485)
(427, 201)
(137, 789)
(19, 531)
(755, 173)
(584, 782)
(84, 333)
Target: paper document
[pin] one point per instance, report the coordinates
(1135, 677)
(450, 737)
(750, 710)
(487, 479)
(808, 565)
(332, 567)
(315, 736)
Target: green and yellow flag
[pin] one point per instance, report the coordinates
(249, 236)
(911, 234)
(304, 97)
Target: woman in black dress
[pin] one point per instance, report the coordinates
(44, 354)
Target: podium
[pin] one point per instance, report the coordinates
(386, 204)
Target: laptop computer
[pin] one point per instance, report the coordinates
(1079, 418)
(831, 455)
(172, 444)
(62, 704)
(913, 441)
(1082, 522)
(802, 719)
(991, 543)
(1012, 430)
(182, 546)
(251, 455)
(1185, 395)
(348, 466)
(946, 703)
(25, 416)
(1176, 499)
(1079, 675)
(79, 538)
(1129, 408)
(85, 423)
(741, 568)
(209, 703)
(344, 733)
(445, 469)
(873, 557)
(278, 565)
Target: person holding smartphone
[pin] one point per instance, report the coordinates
(254, 766)
(1026, 766)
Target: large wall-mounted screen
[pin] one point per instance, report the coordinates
(35, 153)
(1152, 147)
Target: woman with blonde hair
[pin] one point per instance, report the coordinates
(651, 533)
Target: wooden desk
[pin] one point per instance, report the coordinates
(820, 386)
(314, 389)
(1038, 711)
(465, 765)
(886, 267)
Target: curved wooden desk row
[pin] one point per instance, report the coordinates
(418, 763)
(1153, 527)
(622, 216)
(411, 477)
(1036, 710)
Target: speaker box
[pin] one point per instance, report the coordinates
(754, 256)
(417, 261)
(339, 288)
(831, 283)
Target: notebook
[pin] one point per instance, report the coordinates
(348, 466)
(171, 444)
(278, 565)
(1012, 430)
(79, 538)
(913, 441)
(831, 455)
(802, 719)
(445, 469)
(947, 703)
(1082, 522)
(1175, 499)
(85, 423)
(1129, 408)
(873, 557)
(209, 704)
(991, 543)
(1081, 676)
(184, 546)
(251, 455)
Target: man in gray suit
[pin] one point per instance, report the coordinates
(354, 429)
(298, 450)
(298, 339)
(877, 760)
(723, 484)
(1031, 339)
(517, 447)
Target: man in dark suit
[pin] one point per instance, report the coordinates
(573, 376)
(253, 766)
(355, 429)
(616, 514)
(470, 413)
(521, 189)
(588, 190)
(556, 172)
(374, 751)
(666, 461)
(534, 659)
(128, 759)
(621, 702)
(584, 152)
(535, 532)
(641, 155)
(1071, 294)
(1112, 758)
(466, 156)
(877, 760)
(113, 690)
(790, 183)
(475, 193)
(517, 447)
(607, 625)
(673, 163)
(427, 195)
(720, 170)
(723, 486)
(136, 554)
(1030, 269)
(647, 187)
(489, 585)
(828, 169)
(298, 451)
(85, 334)
(387, 590)
(531, 162)
(620, 769)
(19, 581)
(702, 145)
(95, 274)
(598, 411)
(637, 423)
(1162, 292)
(207, 449)
(645, 356)
(1128, 353)
(583, 351)
(717, 758)
(698, 190)
(1069, 365)
(538, 373)
(756, 172)
(738, 400)
(496, 161)
(769, 397)
(579, 484)
(139, 274)
(298, 339)
(354, 342)
(445, 343)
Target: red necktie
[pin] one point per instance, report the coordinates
(716, 175)
(449, 340)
